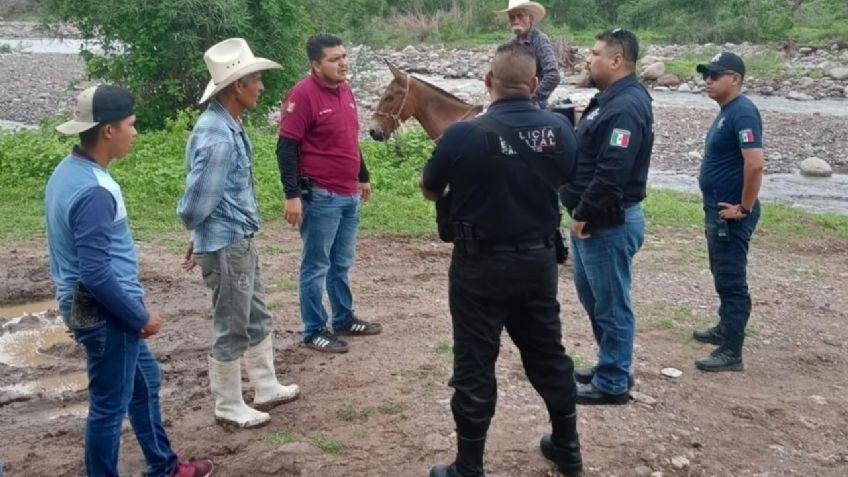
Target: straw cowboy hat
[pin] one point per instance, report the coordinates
(230, 60)
(535, 9)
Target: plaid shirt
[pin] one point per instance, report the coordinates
(219, 204)
(546, 62)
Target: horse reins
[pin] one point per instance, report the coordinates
(396, 116)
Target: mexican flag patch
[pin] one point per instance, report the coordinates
(746, 136)
(620, 138)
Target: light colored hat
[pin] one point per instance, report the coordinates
(535, 9)
(98, 104)
(230, 60)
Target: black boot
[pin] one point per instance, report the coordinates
(727, 357)
(469, 460)
(585, 376)
(562, 447)
(714, 335)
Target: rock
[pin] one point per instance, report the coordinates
(806, 82)
(766, 91)
(679, 462)
(410, 50)
(819, 400)
(838, 74)
(668, 80)
(643, 471)
(672, 372)
(657, 474)
(846, 91)
(805, 50)
(653, 72)
(695, 156)
(815, 167)
(685, 88)
(798, 96)
(642, 398)
(661, 88)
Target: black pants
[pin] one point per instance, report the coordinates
(516, 290)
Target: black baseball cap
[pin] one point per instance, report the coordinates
(98, 104)
(724, 61)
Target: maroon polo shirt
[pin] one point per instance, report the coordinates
(324, 122)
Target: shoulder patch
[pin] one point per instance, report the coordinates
(746, 136)
(620, 138)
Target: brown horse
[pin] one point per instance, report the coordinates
(407, 96)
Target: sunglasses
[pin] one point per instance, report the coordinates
(713, 75)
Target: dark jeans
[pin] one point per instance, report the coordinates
(727, 244)
(518, 291)
(124, 378)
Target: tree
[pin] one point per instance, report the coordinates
(155, 47)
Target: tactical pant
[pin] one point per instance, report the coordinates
(518, 291)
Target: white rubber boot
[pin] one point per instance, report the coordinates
(259, 361)
(225, 381)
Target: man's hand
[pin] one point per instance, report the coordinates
(294, 212)
(188, 261)
(731, 211)
(364, 191)
(152, 327)
(578, 229)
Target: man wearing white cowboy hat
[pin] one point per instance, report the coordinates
(94, 264)
(523, 17)
(220, 208)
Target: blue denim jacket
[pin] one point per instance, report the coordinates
(219, 205)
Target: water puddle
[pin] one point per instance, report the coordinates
(15, 311)
(23, 348)
(67, 46)
(52, 386)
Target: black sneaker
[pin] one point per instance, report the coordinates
(327, 342)
(585, 376)
(360, 328)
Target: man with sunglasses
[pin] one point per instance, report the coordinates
(523, 17)
(615, 139)
(730, 179)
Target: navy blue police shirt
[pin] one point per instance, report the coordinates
(615, 137)
(493, 189)
(738, 126)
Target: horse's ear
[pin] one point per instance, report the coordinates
(398, 74)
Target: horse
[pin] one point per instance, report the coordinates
(408, 96)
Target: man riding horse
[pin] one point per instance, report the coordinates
(523, 17)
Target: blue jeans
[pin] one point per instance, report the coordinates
(602, 275)
(727, 245)
(330, 223)
(124, 378)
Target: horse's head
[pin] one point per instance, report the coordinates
(394, 107)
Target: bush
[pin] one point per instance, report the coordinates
(155, 47)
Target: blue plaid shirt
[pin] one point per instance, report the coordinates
(547, 69)
(219, 204)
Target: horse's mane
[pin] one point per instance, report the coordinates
(439, 90)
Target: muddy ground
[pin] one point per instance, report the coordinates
(382, 409)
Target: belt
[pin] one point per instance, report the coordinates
(523, 246)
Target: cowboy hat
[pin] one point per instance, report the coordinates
(230, 60)
(535, 9)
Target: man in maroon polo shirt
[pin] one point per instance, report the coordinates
(324, 178)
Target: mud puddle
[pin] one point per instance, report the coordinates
(17, 311)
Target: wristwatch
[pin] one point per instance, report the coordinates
(744, 210)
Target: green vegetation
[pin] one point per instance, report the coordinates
(768, 65)
(327, 444)
(281, 438)
(445, 348)
(152, 178)
(348, 413)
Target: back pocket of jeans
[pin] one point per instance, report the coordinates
(93, 338)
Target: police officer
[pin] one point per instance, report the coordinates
(615, 138)
(503, 169)
(730, 180)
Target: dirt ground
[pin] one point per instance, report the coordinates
(382, 409)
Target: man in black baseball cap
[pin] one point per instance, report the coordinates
(94, 265)
(730, 179)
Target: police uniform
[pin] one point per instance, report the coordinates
(615, 139)
(503, 271)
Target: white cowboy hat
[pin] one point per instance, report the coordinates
(535, 9)
(230, 60)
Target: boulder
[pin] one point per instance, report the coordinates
(653, 71)
(668, 80)
(815, 167)
(838, 74)
(798, 96)
(685, 88)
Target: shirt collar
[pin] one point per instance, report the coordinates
(79, 153)
(530, 39)
(510, 102)
(616, 88)
(225, 116)
(323, 86)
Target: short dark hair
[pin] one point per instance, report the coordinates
(89, 137)
(316, 43)
(625, 40)
(515, 50)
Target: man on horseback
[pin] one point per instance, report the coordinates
(523, 17)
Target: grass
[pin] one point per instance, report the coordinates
(327, 444)
(348, 413)
(152, 178)
(769, 65)
(580, 361)
(281, 438)
(286, 284)
(445, 348)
